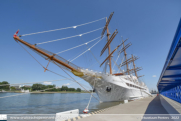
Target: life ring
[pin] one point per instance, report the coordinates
(85, 110)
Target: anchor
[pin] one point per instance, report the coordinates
(108, 89)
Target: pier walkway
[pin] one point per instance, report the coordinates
(158, 107)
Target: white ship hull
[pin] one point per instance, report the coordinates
(118, 84)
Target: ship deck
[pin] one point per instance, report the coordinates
(156, 106)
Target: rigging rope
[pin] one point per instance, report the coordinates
(94, 56)
(77, 82)
(40, 63)
(86, 109)
(69, 37)
(122, 62)
(95, 63)
(92, 93)
(55, 72)
(78, 45)
(116, 64)
(87, 49)
(86, 58)
(63, 76)
(63, 28)
(117, 58)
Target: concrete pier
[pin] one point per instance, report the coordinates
(156, 107)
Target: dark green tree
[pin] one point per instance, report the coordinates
(71, 89)
(25, 88)
(50, 86)
(78, 90)
(38, 87)
(64, 88)
(59, 89)
(13, 88)
(4, 87)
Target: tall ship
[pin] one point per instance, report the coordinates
(109, 86)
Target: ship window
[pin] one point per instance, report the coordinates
(127, 84)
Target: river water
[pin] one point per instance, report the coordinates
(49, 103)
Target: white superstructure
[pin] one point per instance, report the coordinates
(115, 88)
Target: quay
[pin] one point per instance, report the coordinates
(159, 107)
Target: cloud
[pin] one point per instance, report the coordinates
(154, 76)
(47, 82)
(66, 84)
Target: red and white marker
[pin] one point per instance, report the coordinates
(86, 110)
(15, 34)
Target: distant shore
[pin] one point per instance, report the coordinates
(46, 92)
(60, 92)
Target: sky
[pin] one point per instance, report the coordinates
(150, 26)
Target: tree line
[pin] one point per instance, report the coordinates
(39, 87)
(4, 87)
(44, 87)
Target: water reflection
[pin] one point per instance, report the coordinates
(49, 103)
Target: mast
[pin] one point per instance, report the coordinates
(128, 61)
(134, 67)
(109, 49)
(109, 40)
(125, 54)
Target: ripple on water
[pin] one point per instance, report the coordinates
(49, 103)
